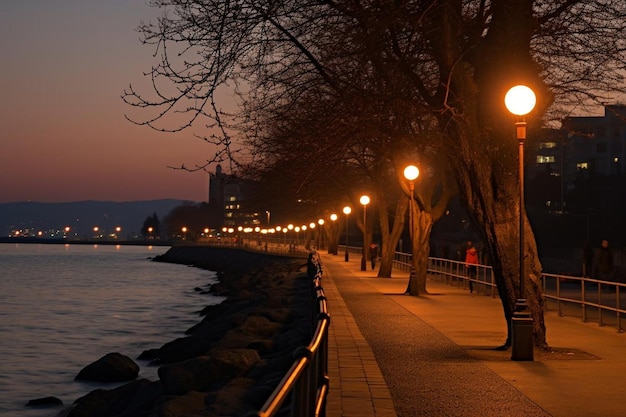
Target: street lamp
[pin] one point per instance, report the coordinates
(364, 200)
(347, 210)
(411, 173)
(333, 218)
(320, 236)
(520, 100)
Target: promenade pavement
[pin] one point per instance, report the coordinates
(392, 354)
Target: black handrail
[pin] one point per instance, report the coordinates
(307, 379)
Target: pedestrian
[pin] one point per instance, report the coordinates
(373, 254)
(587, 259)
(446, 251)
(605, 262)
(471, 260)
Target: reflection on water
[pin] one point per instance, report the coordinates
(65, 306)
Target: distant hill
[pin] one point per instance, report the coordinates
(81, 216)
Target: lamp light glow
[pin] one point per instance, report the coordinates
(520, 100)
(411, 172)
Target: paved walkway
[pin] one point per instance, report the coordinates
(397, 355)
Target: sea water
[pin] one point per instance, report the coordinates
(63, 306)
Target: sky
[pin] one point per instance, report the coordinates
(63, 136)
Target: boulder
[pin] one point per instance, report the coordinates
(259, 326)
(45, 402)
(112, 367)
(230, 399)
(195, 374)
(109, 403)
(198, 374)
(182, 349)
(190, 404)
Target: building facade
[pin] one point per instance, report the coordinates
(229, 200)
(585, 147)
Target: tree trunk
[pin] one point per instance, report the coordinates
(333, 238)
(422, 227)
(495, 208)
(390, 237)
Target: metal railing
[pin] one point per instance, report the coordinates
(587, 298)
(307, 379)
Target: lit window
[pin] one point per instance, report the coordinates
(232, 198)
(547, 145)
(545, 159)
(582, 165)
(616, 160)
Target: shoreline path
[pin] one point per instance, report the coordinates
(395, 355)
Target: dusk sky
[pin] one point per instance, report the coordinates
(63, 137)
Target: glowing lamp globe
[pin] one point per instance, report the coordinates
(520, 100)
(411, 172)
(365, 200)
(347, 210)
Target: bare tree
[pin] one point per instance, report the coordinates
(454, 58)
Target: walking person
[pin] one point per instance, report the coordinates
(605, 262)
(471, 260)
(373, 254)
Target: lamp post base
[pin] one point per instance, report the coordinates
(363, 264)
(522, 346)
(347, 257)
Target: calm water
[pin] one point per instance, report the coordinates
(65, 306)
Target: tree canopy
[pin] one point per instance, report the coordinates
(428, 65)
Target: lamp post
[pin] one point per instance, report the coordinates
(347, 210)
(333, 218)
(520, 100)
(320, 237)
(411, 173)
(364, 200)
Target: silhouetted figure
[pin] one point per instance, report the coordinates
(446, 251)
(373, 254)
(605, 262)
(587, 259)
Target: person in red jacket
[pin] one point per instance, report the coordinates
(471, 260)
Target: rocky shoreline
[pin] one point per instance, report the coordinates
(229, 363)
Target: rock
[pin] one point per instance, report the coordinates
(229, 400)
(195, 374)
(148, 355)
(183, 348)
(112, 367)
(190, 404)
(109, 403)
(198, 374)
(259, 326)
(45, 402)
(236, 362)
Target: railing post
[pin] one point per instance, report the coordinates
(600, 309)
(618, 308)
(583, 299)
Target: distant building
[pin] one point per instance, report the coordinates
(584, 147)
(229, 200)
(596, 145)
